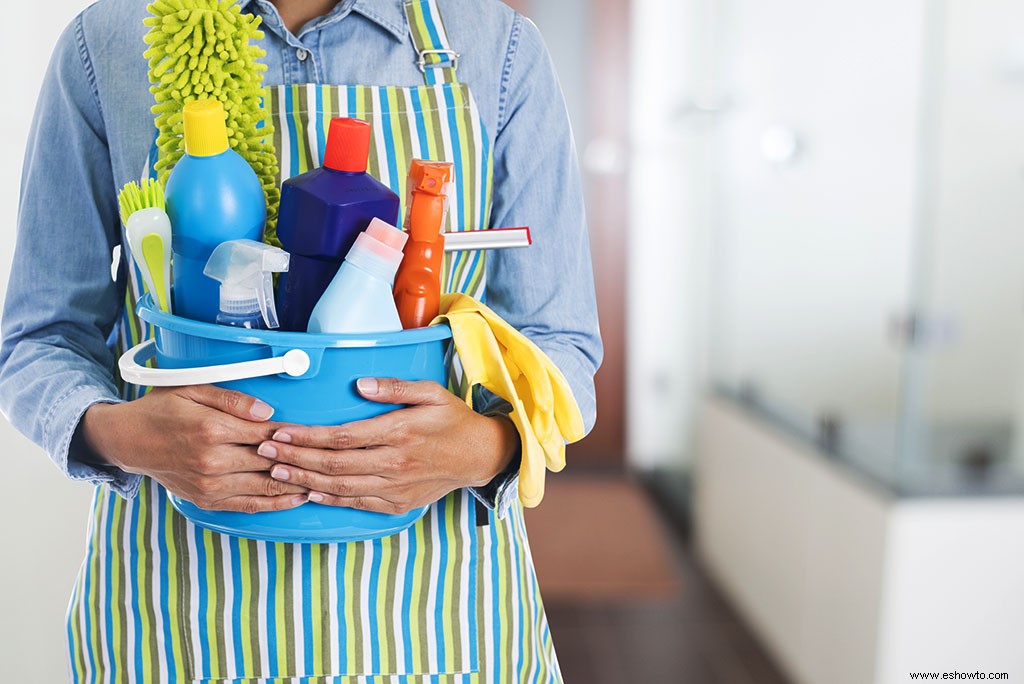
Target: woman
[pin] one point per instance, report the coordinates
(452, 599)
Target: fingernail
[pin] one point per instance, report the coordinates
(280, 473)
(316, 497)
(298, 500)
(261, 410)
(268, 450)
(367, 386)
(282, 437)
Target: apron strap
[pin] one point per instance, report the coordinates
(437, 60)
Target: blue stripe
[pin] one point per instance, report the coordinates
(385, 112)
(495, 601)
(234, 548)
(442, 531)
(433, 75)
(372, 603)
(70, 634)
(453, 126)
(407, 598)
(321, 138)
(87, 644)
(340, 600)
(306, 570)
(474, 655)
(271, 667)
(421, 126)
(109, 583)
(517, 585)
(160, 512)
(204, 599)
(133, 573)
(293, 136)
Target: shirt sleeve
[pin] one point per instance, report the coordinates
(546, 291)
(62, 300)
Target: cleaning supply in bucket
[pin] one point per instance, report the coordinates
(322, 212)
(206, 49)
(213, 196)
(148, 230)
(245, 269)
(359, 299)
(418, 282)
(492, 238)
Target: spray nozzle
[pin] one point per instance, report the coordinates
(244, 269)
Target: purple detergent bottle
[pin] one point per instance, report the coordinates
(322, 211)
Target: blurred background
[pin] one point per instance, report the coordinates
(806, 222)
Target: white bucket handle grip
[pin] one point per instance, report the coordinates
(294, 362)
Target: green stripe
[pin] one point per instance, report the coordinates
(121, 576)
(421, 588)
(354, 574)
(179, 596)
(379, 603)
(482, 573)
(95, 569)
(301, 114)
(217, 605)
(467, 179)
(326, 606)
(151, 669)
(364, 101)
(432, 123)
(252, 608)
(529, 654)
(504, 588)
(401, 144)
(74, 622)
(453, 595)
(279, 130)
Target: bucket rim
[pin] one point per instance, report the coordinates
(277, 338)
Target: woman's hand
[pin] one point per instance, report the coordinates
(199, 442)
(398, 461)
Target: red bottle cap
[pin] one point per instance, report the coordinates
(348, 145)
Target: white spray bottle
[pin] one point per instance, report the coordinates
(245, 271)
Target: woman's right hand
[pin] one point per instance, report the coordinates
(199, 442)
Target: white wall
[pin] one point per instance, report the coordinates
(787, 272)
(42, 515)
(976, 280)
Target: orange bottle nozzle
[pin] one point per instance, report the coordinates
(418, 282)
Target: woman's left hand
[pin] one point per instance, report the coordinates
(397, 461)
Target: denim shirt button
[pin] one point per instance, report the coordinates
(302, 54)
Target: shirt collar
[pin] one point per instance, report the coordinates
(388, 14)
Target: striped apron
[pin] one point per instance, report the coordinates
(452, 599)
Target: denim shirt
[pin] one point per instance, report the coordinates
(93, 129)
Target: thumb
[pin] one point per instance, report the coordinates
(395, 391)
(229, 401)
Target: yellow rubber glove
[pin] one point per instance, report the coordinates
(498, 357)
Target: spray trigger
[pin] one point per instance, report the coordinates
(245, 271)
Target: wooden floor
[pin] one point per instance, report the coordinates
(625, 621)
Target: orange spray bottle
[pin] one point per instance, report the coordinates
(418, 281)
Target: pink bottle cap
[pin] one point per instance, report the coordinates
(387, 233)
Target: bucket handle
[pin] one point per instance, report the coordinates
(294, 362)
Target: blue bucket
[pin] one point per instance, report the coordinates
(309, 378)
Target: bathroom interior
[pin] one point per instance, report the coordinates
(808, 466)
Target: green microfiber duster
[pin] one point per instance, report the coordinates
(202, 49)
